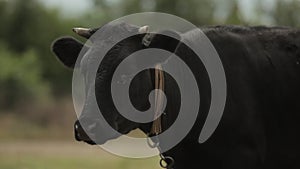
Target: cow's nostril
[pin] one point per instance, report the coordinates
(81, 135)
(76, 131)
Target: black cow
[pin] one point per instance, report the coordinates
(260, 125)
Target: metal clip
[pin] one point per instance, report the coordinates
(147, 40)
(153, 144)
(166, 162)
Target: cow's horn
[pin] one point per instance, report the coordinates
(84, 32)
(144, 29)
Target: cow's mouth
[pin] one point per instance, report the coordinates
(81, 135)
(93, 133)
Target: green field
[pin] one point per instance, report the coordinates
(25, 145)
(64, 155)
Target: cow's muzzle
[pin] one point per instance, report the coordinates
(81, 135)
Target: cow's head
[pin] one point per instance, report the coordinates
(67, 50)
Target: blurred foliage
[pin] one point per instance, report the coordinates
(20, 78)
(286, 13)
(28, 69)
(65, 155)
(32, 79)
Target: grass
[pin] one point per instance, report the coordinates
(25, 144)
(64, 155)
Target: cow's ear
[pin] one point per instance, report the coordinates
(67, 50)
(167, 40)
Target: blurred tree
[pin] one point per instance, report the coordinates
(29, 25)
(102, 11)
(286, 13)
(131, 5)
(282, 13)
(3, 17)
(21, 25)
(199, 12)
(234, 16)
(20, 79)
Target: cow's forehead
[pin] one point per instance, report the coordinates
(104, 37)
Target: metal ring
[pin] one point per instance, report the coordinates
(166, 165)
(155, 143)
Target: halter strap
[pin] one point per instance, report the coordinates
(165, 161)
(159, 100)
